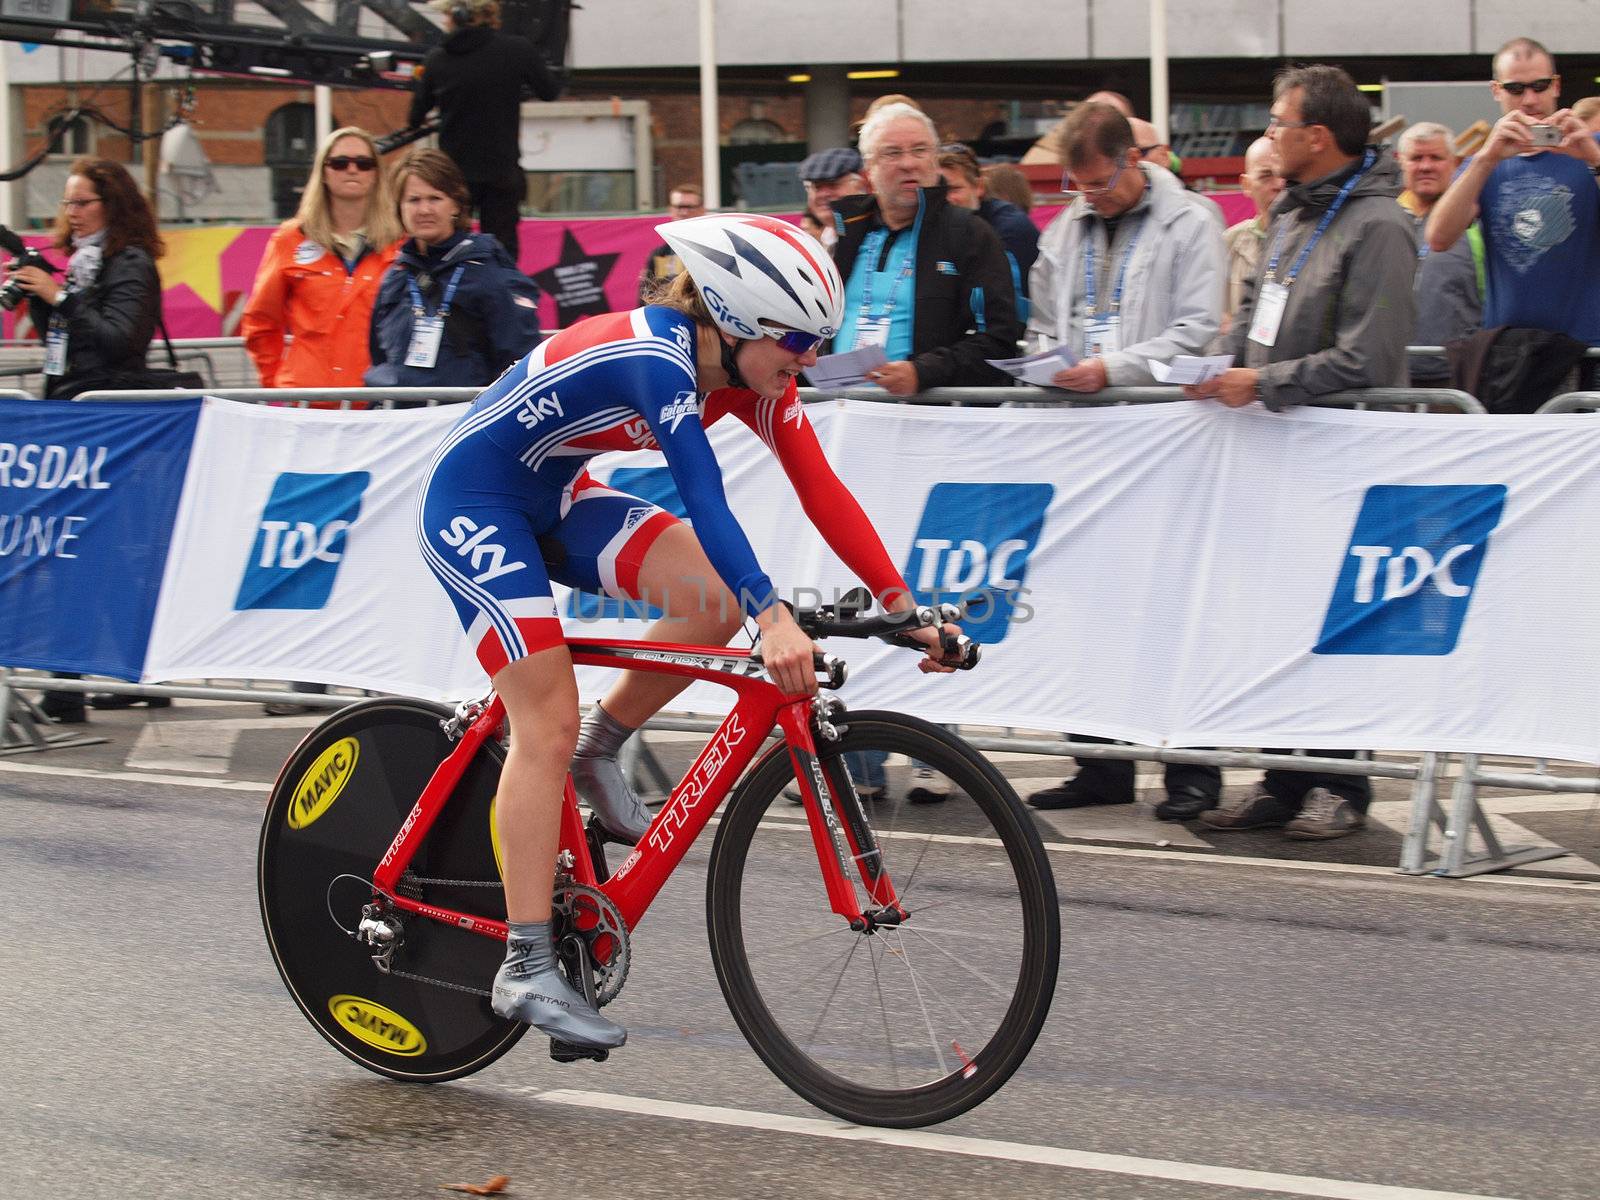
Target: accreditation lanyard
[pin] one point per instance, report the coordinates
(1273, 297)
(427, 332)
(1322, 227)
(1101, 331)
(874, 330)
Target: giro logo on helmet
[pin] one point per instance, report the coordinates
(725, 315)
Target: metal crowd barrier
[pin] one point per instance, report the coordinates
(1572, 402)
(1455, 858)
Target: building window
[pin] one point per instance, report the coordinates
(76, 142)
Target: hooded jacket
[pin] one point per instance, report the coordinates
(1172, 302)
(1350, 312)
(493, 318)
(964, 306)
(476, 78)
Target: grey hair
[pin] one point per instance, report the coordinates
(1427, 131)
(872, 129)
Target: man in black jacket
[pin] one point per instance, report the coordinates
(476, 78)
(924, 279)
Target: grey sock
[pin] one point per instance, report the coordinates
(599, 780)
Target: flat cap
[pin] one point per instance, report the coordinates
(830, 164)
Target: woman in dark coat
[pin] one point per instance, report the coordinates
(98, 321)
(453, 310)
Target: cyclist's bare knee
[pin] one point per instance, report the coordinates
(541, 699)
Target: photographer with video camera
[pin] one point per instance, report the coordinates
(97, 322)
(476, 79)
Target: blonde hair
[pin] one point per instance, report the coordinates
(380, 222)
(682, 296)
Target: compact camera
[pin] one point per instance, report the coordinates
(1546, 135)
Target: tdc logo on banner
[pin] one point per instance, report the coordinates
(300, 540)
(973, 545)
(1408, 576)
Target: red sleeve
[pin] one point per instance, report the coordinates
(829, 505)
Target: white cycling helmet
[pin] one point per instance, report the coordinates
(754, 271)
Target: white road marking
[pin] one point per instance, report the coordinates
(228, 785)
(1022, 1152)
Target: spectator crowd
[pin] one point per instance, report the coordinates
(1353, 252)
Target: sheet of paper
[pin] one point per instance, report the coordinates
(1037, 369)
(1188, 368)
(848, 370)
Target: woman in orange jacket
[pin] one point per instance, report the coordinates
(319, 276)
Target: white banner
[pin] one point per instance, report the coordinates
(1177, 574)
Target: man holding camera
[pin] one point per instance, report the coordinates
(1537, 183)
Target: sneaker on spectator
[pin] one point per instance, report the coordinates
(927, 786)
(1258, 810)
(1323, 816)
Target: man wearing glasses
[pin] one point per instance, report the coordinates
(1330, 308)
(924, 279)
(1534, 181)
(684, 202)
(1131, 271)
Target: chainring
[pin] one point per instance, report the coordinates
(590, 914)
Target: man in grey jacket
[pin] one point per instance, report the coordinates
(1132, 270)
(1330, 308)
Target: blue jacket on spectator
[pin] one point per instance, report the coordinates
(492, 322)
(1018, 234)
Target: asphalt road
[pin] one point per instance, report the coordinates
(1327, 1027)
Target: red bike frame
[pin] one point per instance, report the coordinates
(760, 706)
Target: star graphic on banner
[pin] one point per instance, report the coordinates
(577, 282)
(194, 256)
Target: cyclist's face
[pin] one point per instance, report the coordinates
(768, 368)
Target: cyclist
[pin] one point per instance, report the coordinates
(729, 336)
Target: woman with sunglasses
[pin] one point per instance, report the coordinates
(319, 276)
(453, 310)
(508, 489)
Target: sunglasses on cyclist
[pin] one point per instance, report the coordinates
(1537, 86)
(793, 341)
(343, 162)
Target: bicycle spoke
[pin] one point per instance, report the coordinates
(828, 1003)
(883, 1011)
(927, 1020)
(959, 962)
(841, 928)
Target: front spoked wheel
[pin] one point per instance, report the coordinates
(337, 805)
(902, 1025)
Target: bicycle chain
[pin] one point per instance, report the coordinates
(444, 983)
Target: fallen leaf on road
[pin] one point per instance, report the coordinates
(495, 1185)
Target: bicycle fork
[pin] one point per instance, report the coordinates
(844, 840)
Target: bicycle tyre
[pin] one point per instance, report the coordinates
(944, 851)
(332, 814)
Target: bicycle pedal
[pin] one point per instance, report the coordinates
(566, 1052)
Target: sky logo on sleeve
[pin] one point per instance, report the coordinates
(972, 547)
(1409, 573)
(300, 540)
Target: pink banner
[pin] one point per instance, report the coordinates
(583, 267)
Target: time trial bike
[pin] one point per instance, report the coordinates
(891, 962)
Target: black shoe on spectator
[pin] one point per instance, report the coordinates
(1185, 804)
(64, 708)
(110, 700)
(1072, 795)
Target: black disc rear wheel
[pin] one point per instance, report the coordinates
(336, 808)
